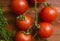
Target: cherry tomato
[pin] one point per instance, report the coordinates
(45, 30)
(19, 6)
(38, 1)
(24, 24)
(48, 14)
(20, 36)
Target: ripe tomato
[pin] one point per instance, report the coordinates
(24, 24)
(48, 14)
(45, 30)
(19, 6)
(38, 1)
(20, 36)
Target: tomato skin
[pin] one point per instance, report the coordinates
(20, 36)
(38, 1)
(45, 30)
(24, 24)
(19, 6)
(48, 14)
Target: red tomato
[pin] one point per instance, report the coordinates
(38, 1)
(24, 24)
(48, 14)
(45, 30)
(20, 36)
(19, 6)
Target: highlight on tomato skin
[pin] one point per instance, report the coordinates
(38, 1)
(48, 14)
(20, 36)
(19, 6)
(24, 24)
(45, 30)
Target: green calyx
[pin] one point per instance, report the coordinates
(45, 4)
(21, 17)
(46, 40)
(26, 32)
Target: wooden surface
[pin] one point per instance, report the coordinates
(56, 23)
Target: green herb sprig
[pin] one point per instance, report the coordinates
(4, 34)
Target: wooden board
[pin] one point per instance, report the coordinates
(56, 23)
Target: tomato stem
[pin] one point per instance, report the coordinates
(36, 19)
(36, 12)
(46, 40)
(38, 38)
(45, 4)
(35, 35)
(36, 16)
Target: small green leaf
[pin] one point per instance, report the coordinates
(21, 17)
(26, 32)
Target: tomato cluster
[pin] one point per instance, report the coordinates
(24, 24)
(48, 14)
(24, 21)
(19, 6)
(23, 37)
